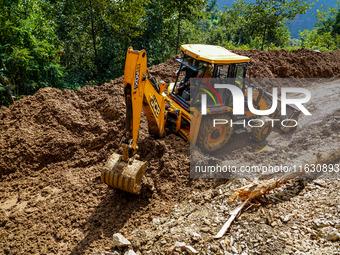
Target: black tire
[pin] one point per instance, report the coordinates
(259, 134)
(212, 138)
(287, 129)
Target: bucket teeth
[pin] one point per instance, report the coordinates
(123, 175)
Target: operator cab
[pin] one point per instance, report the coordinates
(206, 61)
(190, 68)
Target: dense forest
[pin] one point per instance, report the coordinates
(69, 44)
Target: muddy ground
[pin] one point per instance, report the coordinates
(54, 144)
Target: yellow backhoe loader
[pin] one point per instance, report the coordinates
(176, 108)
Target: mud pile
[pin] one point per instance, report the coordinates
(165, 70)
(300, 63)
(56, 126)
(54, 144)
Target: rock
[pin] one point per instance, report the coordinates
(311, 231)
(120, 241)
(300, 247)
(205, 229)
(180, 244)
(173, 231)
(183, 247)
(320, 223)
(156, 221)
(105, 253)
(333, 236)
(223, 245)
(234, 249)
(320, 182)
(214, 248)
(330, 234)
(270, 217)
(282, 235)
(190, 250)
(196, 237)
(274, 223)
(287, 218)
(231, 240)
(207, 222)
(288, 234)
(130, 252)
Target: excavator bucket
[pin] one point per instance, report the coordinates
(123, 175)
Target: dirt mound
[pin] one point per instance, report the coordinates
(56, 126)
(53, 145)
(300, 63)
(165, 70)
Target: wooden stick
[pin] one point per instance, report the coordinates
(257, 189)
(233, 214)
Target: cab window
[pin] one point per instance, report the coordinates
(240, 74)
(222, 71)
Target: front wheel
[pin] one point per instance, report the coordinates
(212, 138)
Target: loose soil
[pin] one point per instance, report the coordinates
(54, 144)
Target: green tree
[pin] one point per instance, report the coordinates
(184, 10)
(230, 26)
(326, 18)
(157, 33)
(268, 19)
(28, 58)
(95, 35)
(336, 25)
(326, 32)
(200, 30)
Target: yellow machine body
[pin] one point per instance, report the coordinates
(125, 171)
(165, 110)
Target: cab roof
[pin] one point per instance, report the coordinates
(212, 54)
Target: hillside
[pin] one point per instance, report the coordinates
(301, 22)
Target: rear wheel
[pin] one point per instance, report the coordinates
(259, 134)
(212, 138)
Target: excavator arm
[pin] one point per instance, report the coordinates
(125, 171)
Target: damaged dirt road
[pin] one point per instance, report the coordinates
(54, 144)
